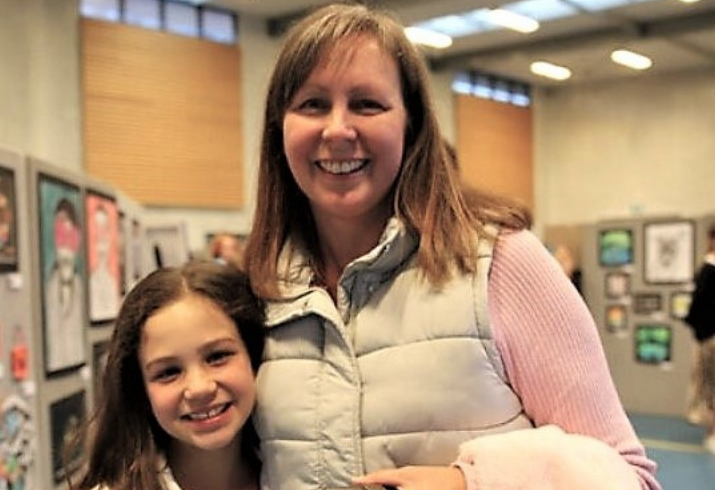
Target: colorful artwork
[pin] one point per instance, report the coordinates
(653, 343)
(615, 247)
(8, 221)
(67, 416)
(616, 319)
(680, 304)
(618, 284)
(103, 256)
(63, 274)
(17, 453)
(669, 252)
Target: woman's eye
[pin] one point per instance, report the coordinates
(312, 105)
(368, 106)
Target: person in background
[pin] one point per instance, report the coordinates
(178, 387)
(701, 319)
(414, 340)
(226, 248)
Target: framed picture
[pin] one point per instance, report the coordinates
(669, 252)
(680, 304)
(67, 416)
(616, 317)
(63, 274)
(103, 256)
(99, 361)
(653, 343)
(618, 284)
(615, 247)
(8, 221)
(647, 303)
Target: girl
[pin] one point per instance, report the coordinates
(178, 387)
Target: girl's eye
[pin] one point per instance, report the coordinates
(167, 374)
(220, 356)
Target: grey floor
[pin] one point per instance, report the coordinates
(677, 447)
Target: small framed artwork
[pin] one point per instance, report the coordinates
(669, 252)
(653, 343)
(67, 416)
(618, 284)
(616, 319)
(100, 350)
(647, 303)
(8, 221)
(62, 273)
(680, 304)
(103, 256)
(615, 247)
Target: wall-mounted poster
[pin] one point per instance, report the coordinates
(168, 243)
(615, 247)
(8, 221)
(616, 319)
(17, 446)
(680, 304)
(63, 274)
(653, 343)
(67, 416)
(669, 252)
(103, 256)
(647, 303)
(618, 284)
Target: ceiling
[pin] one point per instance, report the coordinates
(676, 35)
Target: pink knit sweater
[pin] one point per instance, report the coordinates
(555, 362)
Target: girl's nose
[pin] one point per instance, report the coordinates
(199, 384)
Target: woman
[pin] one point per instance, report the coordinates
(404, 322)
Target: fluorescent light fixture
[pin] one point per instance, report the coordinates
(511, 20)
(425, 37)
(690, 1)
(550, 70)
(631, 59)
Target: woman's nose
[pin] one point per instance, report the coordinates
(199, 384)
(339, 125)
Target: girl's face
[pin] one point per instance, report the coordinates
(197, 373)
(344, 130)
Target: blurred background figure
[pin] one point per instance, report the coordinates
(701, 318)
(226, 248)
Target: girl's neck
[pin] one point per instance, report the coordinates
(211, 470)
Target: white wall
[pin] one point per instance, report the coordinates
(645, 146)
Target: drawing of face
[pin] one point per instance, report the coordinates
(67, 240)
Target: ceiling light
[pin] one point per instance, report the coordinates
(631, 59)
(511, 20)
(690, 1)
(549, 70)
(429, 38)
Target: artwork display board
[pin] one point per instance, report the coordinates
(638, 277)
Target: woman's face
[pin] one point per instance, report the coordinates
(344, 129)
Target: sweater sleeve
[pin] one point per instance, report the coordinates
(555, 363)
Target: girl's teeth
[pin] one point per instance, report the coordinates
(341, 167)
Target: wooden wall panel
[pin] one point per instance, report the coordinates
(494, 145)
(162, 116)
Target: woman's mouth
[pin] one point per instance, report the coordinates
(342, 167)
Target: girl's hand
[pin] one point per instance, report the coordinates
(417, 478)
